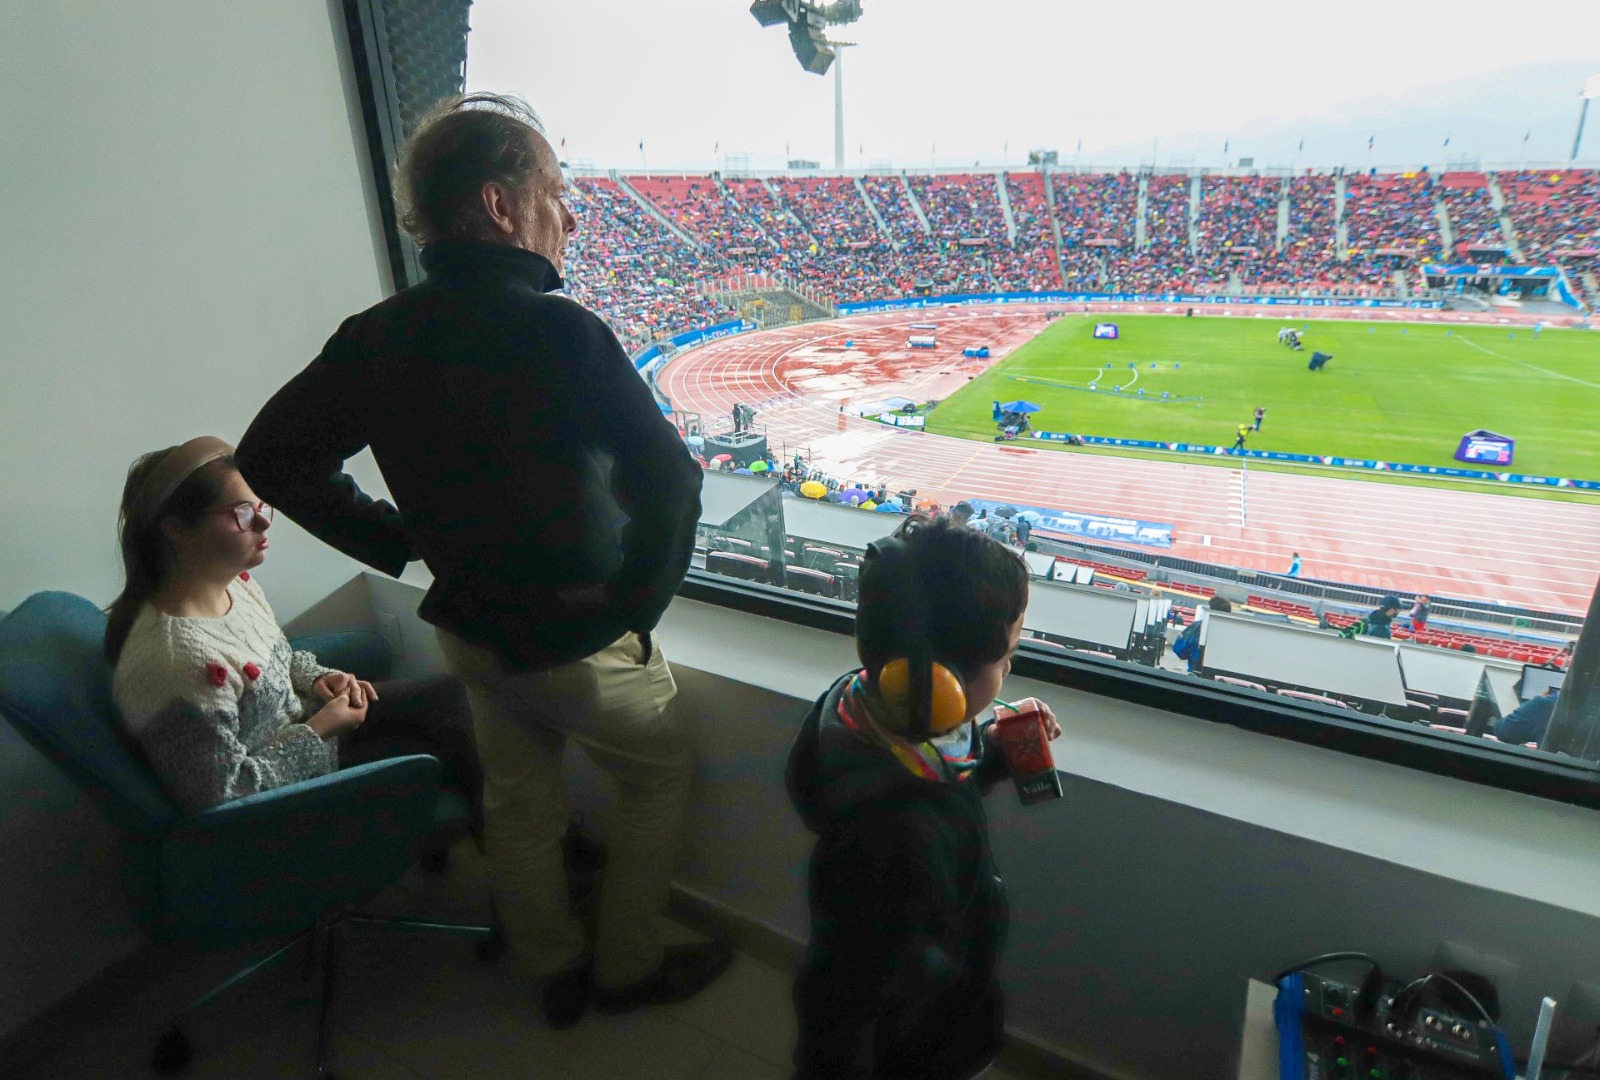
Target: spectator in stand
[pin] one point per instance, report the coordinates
(1294, 566)
(1187, 645)
(1554, 212)
(1376, 622)
(1024, 530)
(1002, 530)
(1530, 721)
(961, 512)
(1419, 614)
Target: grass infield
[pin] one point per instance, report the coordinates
(1394, 392)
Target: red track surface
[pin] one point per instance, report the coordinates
(1534, 552)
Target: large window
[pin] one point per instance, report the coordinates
(1313, 439)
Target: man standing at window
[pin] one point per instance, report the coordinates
(555, 542)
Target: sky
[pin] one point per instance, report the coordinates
(952, 83)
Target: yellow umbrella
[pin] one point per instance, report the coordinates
(869, 505)
(813, 489)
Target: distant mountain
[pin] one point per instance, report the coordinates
(1485, 118)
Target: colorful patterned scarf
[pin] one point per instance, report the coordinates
(951, 758)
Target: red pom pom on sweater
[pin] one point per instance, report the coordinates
(217, 674)
(252, 672)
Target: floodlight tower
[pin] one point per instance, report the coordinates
(1590, 91)
(838, 48)
(807, 19)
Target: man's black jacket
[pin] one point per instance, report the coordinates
(528, 458)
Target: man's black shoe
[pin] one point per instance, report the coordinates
(566, 995)
(685, 971)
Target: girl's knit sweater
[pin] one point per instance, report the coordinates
(218, 706)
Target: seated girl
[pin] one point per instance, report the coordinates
(208, 686)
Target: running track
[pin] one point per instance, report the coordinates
(1534, 552)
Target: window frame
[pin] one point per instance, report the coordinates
(1508, 768)
(1569, 780)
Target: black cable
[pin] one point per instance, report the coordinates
(1464, 992)
(1325, 958)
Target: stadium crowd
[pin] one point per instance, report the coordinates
(843, 239)
(1098, 213)
(1553, 212)
(625, 265)
(1030, 261)
(1473, 218)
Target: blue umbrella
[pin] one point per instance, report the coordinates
(1020, 406)
(743, 472)
(889, 508)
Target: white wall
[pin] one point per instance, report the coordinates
(187, 219)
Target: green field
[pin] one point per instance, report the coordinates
(1395, 392)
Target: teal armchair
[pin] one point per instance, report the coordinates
(290, 862)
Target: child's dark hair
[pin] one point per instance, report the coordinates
(970, 591)
(146, 551)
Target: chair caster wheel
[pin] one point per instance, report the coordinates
(172, 1052)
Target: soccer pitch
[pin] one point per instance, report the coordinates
(1393, 391)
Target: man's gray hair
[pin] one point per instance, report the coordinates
(463, 143)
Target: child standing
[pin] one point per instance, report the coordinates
(908, 914)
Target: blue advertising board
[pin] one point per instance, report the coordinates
(1113, 530)
(969, 299)
(1495, 270)
(1327, 459)
(1487, 447)
(699, 336)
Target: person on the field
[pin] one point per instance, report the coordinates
(1294, 566)
(1261, 414)
(1238, 442)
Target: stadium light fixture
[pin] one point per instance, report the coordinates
(807, 21)
(1590, 91)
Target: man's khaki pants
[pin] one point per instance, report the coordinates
(615, 704)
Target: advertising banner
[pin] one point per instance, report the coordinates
(1329, 459)
(1094, 526)
(968, 299)
(1487, 447)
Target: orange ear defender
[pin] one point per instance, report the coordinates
(947, 700)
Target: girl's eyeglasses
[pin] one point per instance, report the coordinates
(244, 515)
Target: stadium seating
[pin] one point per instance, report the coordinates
(1165, 263)
(1473, 218)
(1554, 212)
(1029, 262)
(623, 264)
(1391, 215)
(820, 234)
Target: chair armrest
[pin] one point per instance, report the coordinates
(270, 863)
(363, 653)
